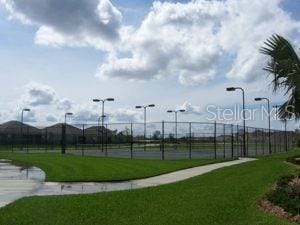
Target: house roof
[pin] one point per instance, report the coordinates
(15, 127)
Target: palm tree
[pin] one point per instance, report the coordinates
(284, 67)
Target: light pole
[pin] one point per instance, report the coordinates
(102, 116)
(285, 123)
(176, 114)
(22, 119)
(145, 118)
(63, 134)
(244, 117)
(67, 114)
(269, 118)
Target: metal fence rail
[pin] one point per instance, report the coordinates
(162, 140)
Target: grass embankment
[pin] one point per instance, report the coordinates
(70, 168)
(225, 196)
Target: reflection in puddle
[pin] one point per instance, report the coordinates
(52, 188)
(17, 182)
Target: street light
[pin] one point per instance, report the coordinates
(67, 114)
(103, 101)
(102, 116)
(244, 117)
(175, 112)
(63, 134)
(269, 117)
(22, 119)
(145, 118)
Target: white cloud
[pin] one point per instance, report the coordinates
(37, 94)
(125, 115)
(192, 40)
(190, 109)
(84, 114)
(64, 104)
(72, 23)
(89, 114)
(198, 42)
(51, 118)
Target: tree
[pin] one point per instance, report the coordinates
(156, 135)
(284, 67)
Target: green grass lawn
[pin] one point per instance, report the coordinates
(76, 168)
(225, 196)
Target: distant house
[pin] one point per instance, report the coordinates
(16, 132)
(226, 138)
(95, 134)
(53, 134)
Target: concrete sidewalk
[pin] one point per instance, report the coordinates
(16, 182)
(187, 173)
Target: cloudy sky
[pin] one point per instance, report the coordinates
(57, 55)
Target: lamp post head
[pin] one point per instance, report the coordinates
(170, 111)
(182, 110)
(258, 99)
(26, 110)
(151, 105)
(96, 100)
(69, 114)
(230, 89)
(138, 107)
(110, 99)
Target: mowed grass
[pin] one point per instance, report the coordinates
(70, 168)
(225, 196)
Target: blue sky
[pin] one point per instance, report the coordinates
(166, 54)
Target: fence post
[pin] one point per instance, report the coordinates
(12, 142)
(288, 141)
(285, 139)
(190, 140)
(232, 140)
(46, 139)
(63, 139)
(83, 141)
(274, 138)
(106, 140)
(215, 140)
(131, 142)
(27, 141)
(263, 141)
(237, 141)
(247, 137)
(280, 143)
(256, 141)
(163, 141)
(224, 142)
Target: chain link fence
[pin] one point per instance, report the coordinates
(157, 140)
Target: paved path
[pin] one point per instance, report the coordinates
(17, 182)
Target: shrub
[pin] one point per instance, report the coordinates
(286, 195)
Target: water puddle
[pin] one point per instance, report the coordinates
(18, 181)
(52, 188)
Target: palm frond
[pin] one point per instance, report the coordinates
(284, 66)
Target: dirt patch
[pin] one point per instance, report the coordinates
(278, 211)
